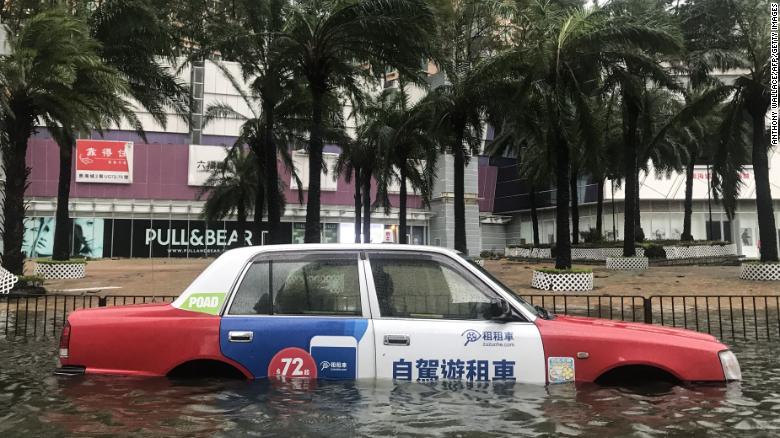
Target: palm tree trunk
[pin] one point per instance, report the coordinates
(313, 202)
(62, 228)
(16, 172)
(402, 208)
(639, 233)
(459, 178)
(562, 236)
(766, 216)
(259, 210)
(575, 209)
(688, 204)
(629, 170)
(600, 209)
(358, 204)
(534, 215)
(241, 221)
(272, 179)
(366, 206)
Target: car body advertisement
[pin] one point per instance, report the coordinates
(104, 161)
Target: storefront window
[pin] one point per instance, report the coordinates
(329, 233)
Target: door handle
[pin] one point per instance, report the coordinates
(240, 336)
(396, 340)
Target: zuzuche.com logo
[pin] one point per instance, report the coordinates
(490, 338)
(333, 366)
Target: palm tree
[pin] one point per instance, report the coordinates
(332, 43)
(559, 56)
(630, 74)
(248, 35)
(518, 135)
(133, 38)
(408, 152)
(102, 92)
(470, 31)
(289, 114)
(43, 78)
(602, 162)
(231, 189)
(747, 109)
(685, 135)
(362, 158)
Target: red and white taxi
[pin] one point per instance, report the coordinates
(374, 311)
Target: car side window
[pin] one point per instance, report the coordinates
(427, 286)
(319, 284)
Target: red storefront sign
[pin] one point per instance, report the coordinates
(104, 161)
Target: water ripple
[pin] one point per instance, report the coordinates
(33, 402)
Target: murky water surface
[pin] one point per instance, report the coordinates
(33, 402)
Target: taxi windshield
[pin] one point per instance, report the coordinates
(512, 293)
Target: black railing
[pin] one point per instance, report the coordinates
(729, 317)
(732, 318)
(618, 307)
(44, 315)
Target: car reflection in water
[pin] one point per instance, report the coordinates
(159, 406)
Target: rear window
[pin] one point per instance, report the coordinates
(318, 284)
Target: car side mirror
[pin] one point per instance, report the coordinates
(498, 309)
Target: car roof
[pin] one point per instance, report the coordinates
(259, 249)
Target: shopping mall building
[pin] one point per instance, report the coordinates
(142, 198)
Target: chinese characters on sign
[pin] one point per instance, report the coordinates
(744, 175)
(104, 161)
(431, 370)
(203, 161)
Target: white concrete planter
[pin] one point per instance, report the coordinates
(61, 271)
(575, 281)
(540, 280)
(529, 253)
(7, 281)
(672, 252)
(637, 263)
(760, 271)
(687, 252)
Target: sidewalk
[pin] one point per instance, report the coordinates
(658, 280)
(164, 276)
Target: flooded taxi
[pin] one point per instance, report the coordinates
(401, 312)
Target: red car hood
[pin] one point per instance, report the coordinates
(583, 324)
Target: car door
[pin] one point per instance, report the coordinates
(305, 315)
(431, 323)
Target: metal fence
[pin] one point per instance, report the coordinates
(44, 315)
(732, 318)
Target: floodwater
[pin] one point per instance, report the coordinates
(34, 402)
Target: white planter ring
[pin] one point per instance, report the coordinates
(672, 252)
(61, 271)
(637, 263)
(574, 281)
(688, 252)
(576, 253)
(760, 271)
(529, 253)
(7, 281)
(540, 280)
